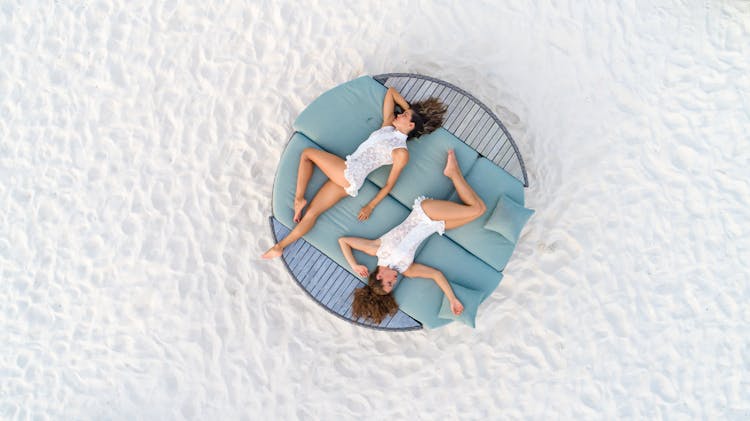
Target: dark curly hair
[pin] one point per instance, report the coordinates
(427, 116)
(372, 302)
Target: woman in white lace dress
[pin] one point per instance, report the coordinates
(396, 248)
(385, 146)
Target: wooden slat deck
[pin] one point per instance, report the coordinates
(329, 284)
(467, 118)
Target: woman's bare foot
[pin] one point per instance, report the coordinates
(451, 166)
(273, 252)
(299, 204)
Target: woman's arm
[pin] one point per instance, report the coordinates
(392, 97)
(400, 159)
(367, 246)
(418, 270)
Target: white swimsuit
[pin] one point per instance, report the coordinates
(398, 246)
(371, 154)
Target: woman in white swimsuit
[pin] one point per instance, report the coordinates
(385, 146)
(395, 249)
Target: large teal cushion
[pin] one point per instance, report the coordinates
(423, 175)
(421, 298)
(508, 218)
(341, 219)
(343, 117)
(490, 182)
(469, 298)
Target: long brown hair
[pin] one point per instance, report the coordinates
(372, 302)
(427, 116)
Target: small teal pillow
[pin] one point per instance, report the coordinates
(508, 218)
(469, 298)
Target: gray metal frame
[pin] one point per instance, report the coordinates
(468, 119)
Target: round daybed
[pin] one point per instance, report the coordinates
(471, 257)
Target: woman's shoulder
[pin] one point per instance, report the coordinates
(385, 129)
(384, 132)
(400, 152)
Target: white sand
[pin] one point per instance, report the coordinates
(138, 144)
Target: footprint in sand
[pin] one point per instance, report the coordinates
(546, 248)
(558, 251)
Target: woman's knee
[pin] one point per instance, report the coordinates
(307, 222)
(479, 208)
(307, 152)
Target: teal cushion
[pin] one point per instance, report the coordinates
(490, 182)
(508, 218)
(342, 118)
(421, 298)
(423, 175)
(470, 300)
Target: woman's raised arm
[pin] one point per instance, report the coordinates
(418, 270)
(392, 97)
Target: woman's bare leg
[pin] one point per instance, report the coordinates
(331, 165)
(463, 189)
(455, 214)
(327, 196)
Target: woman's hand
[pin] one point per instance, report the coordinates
(362, 271)
(456, 307)
(365, 212)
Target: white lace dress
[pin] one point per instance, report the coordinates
(371, 154)
(398, 246)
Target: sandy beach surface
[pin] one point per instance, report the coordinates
(138, 145)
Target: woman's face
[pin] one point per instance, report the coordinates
(403, 122)
(388, 277)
